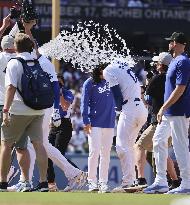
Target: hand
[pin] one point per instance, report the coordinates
(7, 21)
(6, 120)
(29, 25)
(56, 118)
(64, 104)
(160, 114)
(87, 128)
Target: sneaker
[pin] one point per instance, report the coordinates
(24, 187)
(3, 186)
(92, 187)
(138, 185)
(52, 187)
(79, 181)
(179, 190)
(13, 172)
(14, 187)
(41, 187)
(67, 188)
(103, 188)
(174, 184)
(121, 188)
(156, 188)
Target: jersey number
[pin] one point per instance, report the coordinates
(132, 74)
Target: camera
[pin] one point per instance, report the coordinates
(24, 10)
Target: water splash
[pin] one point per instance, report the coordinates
(88, 44)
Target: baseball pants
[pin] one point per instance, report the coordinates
(129, 124)
(100, 142)
(177, 127)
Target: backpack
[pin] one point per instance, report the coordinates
(36, 87)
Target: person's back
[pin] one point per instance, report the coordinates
(120, 73)
(127, 94)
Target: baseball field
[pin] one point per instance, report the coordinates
(60, 198)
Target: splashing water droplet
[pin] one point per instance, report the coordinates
(88, 44)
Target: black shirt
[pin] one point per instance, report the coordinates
(156, 90)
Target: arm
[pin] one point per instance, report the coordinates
(174, 97)
(66, 99)
(5, 25)
(84, 103)
(64, 104)
(56, 118)
(118, 97)
(9, 96)
(84, 108)
(56, 94)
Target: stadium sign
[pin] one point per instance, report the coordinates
(148, 20)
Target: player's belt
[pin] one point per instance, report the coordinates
(135, 100)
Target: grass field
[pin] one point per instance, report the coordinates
(60, 198)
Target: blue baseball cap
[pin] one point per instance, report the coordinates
(68, 96)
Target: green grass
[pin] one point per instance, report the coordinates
(60, 198)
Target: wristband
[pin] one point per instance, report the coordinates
(5, 110)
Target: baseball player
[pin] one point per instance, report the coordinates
(97, 108)
(127, 94)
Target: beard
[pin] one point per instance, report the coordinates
(171, 51)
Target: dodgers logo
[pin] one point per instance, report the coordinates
(104, 89)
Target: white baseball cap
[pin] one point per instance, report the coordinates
(7, 42)
(163, 58)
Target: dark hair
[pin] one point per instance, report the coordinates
(60, 75)
(97, 72)
(23, 43)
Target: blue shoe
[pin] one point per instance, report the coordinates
(179, 190)
(156, 188)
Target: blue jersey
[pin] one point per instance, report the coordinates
(97, 104)
(178, 74)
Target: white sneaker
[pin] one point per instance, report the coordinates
(92, 187)
(24, 187)
(121, 188)
(103, 188)
(14, 187)
(77, 182)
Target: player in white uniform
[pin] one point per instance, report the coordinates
(127, 93)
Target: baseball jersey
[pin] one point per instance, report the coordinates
(118, 73)
(4, 59)
(97, 104)
(178, 74)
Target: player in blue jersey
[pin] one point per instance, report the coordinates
(173, 119)
(98, 112)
